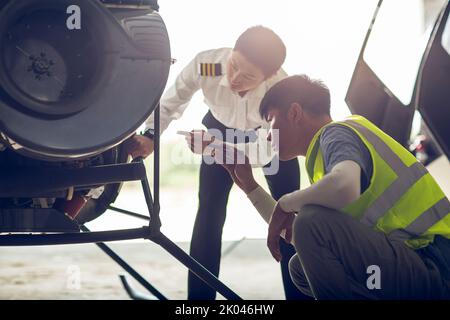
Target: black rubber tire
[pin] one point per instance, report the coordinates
(146, 31)
(143, 30)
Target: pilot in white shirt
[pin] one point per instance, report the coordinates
(208, 72)
(233, 82)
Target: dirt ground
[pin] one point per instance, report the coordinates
(85, 272)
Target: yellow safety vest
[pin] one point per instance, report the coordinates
(402, 200)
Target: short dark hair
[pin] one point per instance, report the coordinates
(263, 48)
(312, 95)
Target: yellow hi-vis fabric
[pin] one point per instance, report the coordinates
(402, 200)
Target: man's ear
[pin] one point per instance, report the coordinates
(295, 112)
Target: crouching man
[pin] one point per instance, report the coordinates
(374, 224)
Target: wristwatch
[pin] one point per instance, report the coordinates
(149, 133)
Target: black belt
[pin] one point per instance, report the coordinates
(210, 122)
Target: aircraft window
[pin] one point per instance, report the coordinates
(397, 43)
(446, 37)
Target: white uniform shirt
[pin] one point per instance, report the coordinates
(226, 106)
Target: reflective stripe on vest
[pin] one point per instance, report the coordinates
(406, 178)
(423, 222)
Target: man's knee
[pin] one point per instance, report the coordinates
(308, 216)
(295, 267)
(310, 221)
(298, 276)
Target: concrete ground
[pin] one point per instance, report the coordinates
(52, 272)
(85, 272)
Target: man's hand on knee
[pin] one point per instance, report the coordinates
(280, 224)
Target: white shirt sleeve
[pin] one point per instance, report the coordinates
(176, 99)
(263, 202)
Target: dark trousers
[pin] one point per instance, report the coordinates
(338, 258)
(206, 243)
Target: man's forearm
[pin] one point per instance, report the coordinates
(336, 190)
(263, 202)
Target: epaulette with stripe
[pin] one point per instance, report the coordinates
(210, 69)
